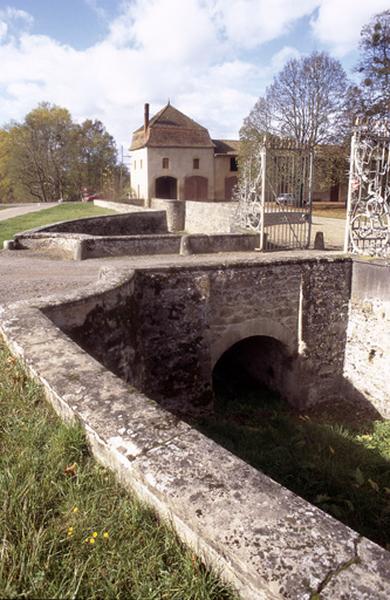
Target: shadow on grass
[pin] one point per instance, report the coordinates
(322, 455)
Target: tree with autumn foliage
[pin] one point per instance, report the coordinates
(48, 157)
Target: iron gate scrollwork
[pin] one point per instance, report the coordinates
(274, 194)
(368, 211)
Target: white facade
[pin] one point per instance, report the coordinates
(172, 157)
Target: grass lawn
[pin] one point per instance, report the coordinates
(62, 212)
(67, 529)
(329, 209)
(340, 465)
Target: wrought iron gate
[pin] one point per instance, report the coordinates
(368, 211)
(274, 194)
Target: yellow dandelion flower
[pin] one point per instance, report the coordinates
(106, 534)
(70, 531)
(75, 509)
(95, 534)
(91, 540)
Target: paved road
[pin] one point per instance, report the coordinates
(9, 213)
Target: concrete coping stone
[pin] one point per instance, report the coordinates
(267, 541)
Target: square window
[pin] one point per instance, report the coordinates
(195, 163)
(165, 163)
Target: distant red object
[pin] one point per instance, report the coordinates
(88, 196)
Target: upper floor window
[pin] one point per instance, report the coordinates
(165, 163)
(233, 164)
(195, 163)
(134, 165)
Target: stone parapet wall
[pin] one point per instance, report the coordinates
(131, 245)
(134, 223)
(214, 243)
(58, 245)
(81, 246)
(121, 207)
(175, 210)
(367, 353)
(210, 217)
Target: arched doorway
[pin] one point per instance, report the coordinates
(254, 361)
(196, 188)
(166, 187)
(230, 183)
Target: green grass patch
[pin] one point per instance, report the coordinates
(67, 529)
(330, 211)
(62, 212)
(342, 468)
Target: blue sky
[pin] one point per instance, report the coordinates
(213, 58)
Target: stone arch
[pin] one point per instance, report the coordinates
(166, 187)
(258, 327)
(196, 187)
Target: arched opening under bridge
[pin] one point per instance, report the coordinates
(258, 362)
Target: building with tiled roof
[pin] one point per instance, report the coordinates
(173, 157)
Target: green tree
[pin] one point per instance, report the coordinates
(374, 66)
(6, 188)
(97, 154)
(48, 157)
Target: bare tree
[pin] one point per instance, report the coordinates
(305, 102)
(374, 66)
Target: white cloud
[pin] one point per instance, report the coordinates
(283, 56)
(13, 17)
(250, 23)
(192, 51)
(3, 29)
(99, 10)
(339, 22)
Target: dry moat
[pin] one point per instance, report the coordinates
(335, 455)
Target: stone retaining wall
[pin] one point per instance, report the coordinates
(367, 355)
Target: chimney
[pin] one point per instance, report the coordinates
(146, 118)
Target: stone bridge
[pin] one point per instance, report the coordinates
(308, 326)
(164, 330)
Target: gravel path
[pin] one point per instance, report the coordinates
(25, 274)
(9, 213)
(333, 230)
